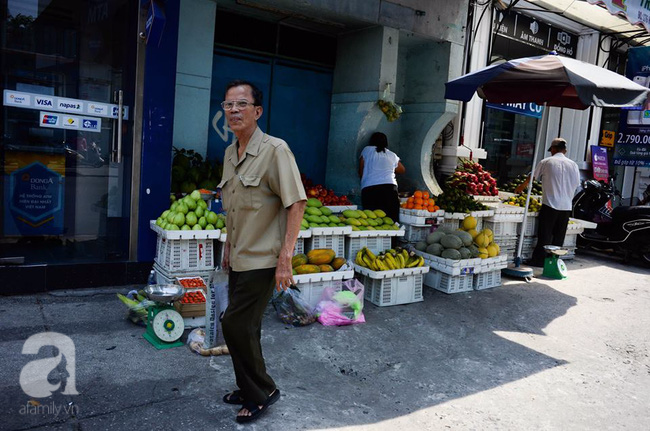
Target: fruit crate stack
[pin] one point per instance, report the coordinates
(463, 275)
(418, 224)
(574, 228)
(375, 240)
(318, 270)
(504, 225)
(455, 219)
(183, 253)
(393, 277)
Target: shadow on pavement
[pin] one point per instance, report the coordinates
(405, 358)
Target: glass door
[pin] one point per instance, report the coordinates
(67, 67)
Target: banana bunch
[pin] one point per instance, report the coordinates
(388, 260)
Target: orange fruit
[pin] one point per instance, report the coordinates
(430, 208)
(410, 200)
(418, 207)
(432, 202)
(417, 194)
(409, 205)
(425, 195)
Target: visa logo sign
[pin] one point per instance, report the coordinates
(50, 119)
(41, 101)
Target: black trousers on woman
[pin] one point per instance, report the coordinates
(381, 197)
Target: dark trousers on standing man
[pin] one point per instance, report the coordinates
(249, 293)
(550, 231)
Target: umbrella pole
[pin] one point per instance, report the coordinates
(520, 244)
(517, 270)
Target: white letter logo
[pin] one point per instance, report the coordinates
(33, 376)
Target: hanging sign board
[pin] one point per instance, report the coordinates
(527, 109)
(20, 99)
(599, 163)
(531, 31)
(632, 142)
(636, 12)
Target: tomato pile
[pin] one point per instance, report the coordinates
(192, 282)
(193, 297)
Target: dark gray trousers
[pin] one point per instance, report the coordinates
(249, 293)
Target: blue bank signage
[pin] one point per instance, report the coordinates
(527, 109)
(35, 200)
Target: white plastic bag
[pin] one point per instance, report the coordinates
(215, 306)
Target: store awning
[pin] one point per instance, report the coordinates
(594, 16)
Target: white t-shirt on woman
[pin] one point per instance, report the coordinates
(378, 168)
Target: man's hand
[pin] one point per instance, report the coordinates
(521, 187)
(283, 273)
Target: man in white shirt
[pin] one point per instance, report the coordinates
(560, 178)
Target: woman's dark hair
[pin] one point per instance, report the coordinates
(257, 93)
(380, 141)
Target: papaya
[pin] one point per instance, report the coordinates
(320, 256)
(307, 269)
(337, 263)
(299, 259)
(326, 268)
(313, 202)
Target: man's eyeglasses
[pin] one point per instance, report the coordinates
(240, 104)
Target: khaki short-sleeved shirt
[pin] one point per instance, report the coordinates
(256, 191)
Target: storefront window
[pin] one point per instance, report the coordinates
(62, 64)
(509, 140)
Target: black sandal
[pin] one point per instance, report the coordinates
(254, 410)
(233, 397)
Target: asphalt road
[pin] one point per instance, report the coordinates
(547, 355)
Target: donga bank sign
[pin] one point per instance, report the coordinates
(528, 109)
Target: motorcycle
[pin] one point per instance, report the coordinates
(625, 229)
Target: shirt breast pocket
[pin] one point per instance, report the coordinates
(251, 196)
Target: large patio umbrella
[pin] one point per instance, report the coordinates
(549, 80)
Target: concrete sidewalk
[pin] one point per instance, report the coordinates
(552, 355)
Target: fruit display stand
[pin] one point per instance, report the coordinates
(504, 224)
(328, 237)
(171, 277)
(531, 224)
(419, 223)
(375, 240)
(185, 250)
(463, 275)
(395, 287)
(455, 219)
(338, 209)
(574, 228)
(312, 285)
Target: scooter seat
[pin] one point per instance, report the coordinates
(623, 214)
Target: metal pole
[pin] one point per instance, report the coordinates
(542, 124)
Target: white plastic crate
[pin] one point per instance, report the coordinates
(570, 240)
(312, 285)
(300, 241)
(501, 228)
(414, 233)
(393, 290)
(405, 218)
(487, 280)
(185, 254)
(374, 243)
(531, 225)
(451, 283)
(170, 277)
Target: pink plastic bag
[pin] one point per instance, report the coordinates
(342, 308)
